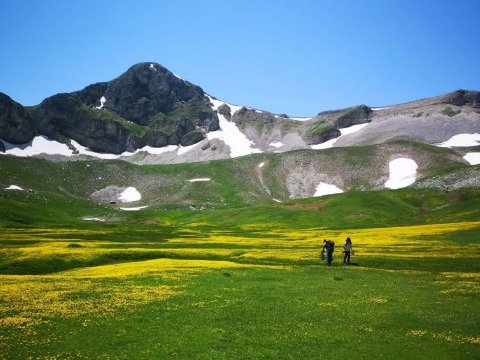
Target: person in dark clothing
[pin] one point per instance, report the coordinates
(330, 248)
(347, 250)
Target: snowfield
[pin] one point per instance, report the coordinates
(130, 194)
(14, 187)
(403, 172)
(199, 180)
(44, 145)
(327, 189)
(138, 208)
(462, 140)
(39, 145)
(230, 134)
(473, 158)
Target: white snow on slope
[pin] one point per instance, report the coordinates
(183, 149)
(344, 131)
(14, 187)
(152, 67)
(276, 144)
(44, 145)
(103, 99)
(230, 134)
(300, 118)
(403, 172)
(129, 194)
(462, 140)
(92, 219)
(473, 158)
(133, 208)
(262, 164)
(380, 108)
(327, 189)
(151, 150)
(199, 180)
(39, 145)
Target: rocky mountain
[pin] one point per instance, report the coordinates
(147, 105)
(149, 115)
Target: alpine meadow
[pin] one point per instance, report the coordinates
(239, 180)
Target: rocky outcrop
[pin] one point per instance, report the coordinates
(148, 89)
(16, 123)
(225, 110)
(318, 137)
(357, 115)
(463, 97)
(65, 116)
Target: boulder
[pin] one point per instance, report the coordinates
(192, 138)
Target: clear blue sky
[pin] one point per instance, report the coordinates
(297, 57)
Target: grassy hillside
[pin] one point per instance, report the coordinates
(219, 270)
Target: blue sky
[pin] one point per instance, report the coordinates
(297, 57)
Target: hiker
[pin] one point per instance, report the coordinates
(330, 247)
(322, 253)
(347, 250)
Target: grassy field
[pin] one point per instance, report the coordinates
(243, 283)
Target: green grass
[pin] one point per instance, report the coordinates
(240, 279)
(289, 310)
(319, 127)
(448, 111)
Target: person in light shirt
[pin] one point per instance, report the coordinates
(347, 250)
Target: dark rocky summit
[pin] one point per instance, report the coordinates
(147, 105)
(16, 123)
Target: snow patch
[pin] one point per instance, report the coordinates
(301, 118)
(133, 208)
(327, 189)
(343, 131)
(379, 108)
(39, 145)
(262, 164)
(92, 219)
(276, 200)
(183, 149)
(473, 158)
(178, 77)
(352, 129)
(103, 99)
(152, 67)
(14, 187)
(403, 172)
(277, 144)
(230, 134)
(44, 145)
(462, 140)
(129, 194)
(199, 179)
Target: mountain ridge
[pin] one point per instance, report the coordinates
(149, 106)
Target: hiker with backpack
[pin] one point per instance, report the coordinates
(330, 248)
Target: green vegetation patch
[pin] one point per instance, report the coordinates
(449, 111)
